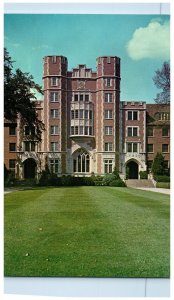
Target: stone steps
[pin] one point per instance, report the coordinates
(137, 183)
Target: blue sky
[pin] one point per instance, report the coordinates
(141, 41)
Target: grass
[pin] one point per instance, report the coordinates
(86, 231)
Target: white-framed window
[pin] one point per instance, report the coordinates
(54, 81)
(108, 82)
(72, 114)
(54, 113)
(108, 113)
(108, 130)
(108, 97)
(81, 163)
(132, 131)
(53, 146)
(29, 146)
(54, 165)
(81, 113)
(108, 166)
(132, 147)
(54, 129)
(76, 97)
(12, 165)
(108, 147)
(54, 97)
(132, 115)
(165, 148)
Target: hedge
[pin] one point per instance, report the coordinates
(164, 185)
(162, 178)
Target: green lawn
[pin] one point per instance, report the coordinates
(87, 231)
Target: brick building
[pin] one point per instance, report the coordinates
(88, 129)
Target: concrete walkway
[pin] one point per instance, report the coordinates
(157, 190)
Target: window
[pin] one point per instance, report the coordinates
(81, 130)
(86, 114)
(86, 98)
(81, 113)
(12, 130)
(132, 147)
(132, 131)
(81, 97)
(108, 130)
(165, 148)
(76, 130)
(108, 166)
(90, 130)
(76, 114)
(54, 81)
(12, 147)
(132, 115)
(54, 165)
(150, 148)
(54, 146)
(29, 146)
(149, 131)
(72, 130)
(165, 131)
(108, 97)
(54, 129)
(166, 164)
(12, 165)
(90, 114)
(108, 146)
(108, 82)
(76, 98)
(86, 130)
(108, 114)
(164, 116)
(72, 114)
(54, 113)
(81, 163)
(54, 96)
(29, 131)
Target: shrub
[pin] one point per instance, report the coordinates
(164, 185)
(116, 173)
(54, 180)
(118, 183)
(162, 178)
(10, 179)
(158, 167)
(143, 174)
(98, 180)
(88, 181)
(67, 180)
(44, 179)
(108, 178)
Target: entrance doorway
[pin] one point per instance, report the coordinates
(29, 168)
(132, 170)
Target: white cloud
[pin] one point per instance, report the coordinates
(152, 41)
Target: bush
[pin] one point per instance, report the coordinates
(109, 178)
(67, 180)
(98, 180)
(162, 178)
(10, 179)
(44, 179)
(88, 181)
(143, 175)
(116, 173)
(118, 183)
(158, 164)
(164, 185)
(54, 180)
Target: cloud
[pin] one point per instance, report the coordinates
(152, 41)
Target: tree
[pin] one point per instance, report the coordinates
(158, 167)
(162, 81)
(19, 97)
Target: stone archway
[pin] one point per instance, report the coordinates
(132, 170)
(29, 167)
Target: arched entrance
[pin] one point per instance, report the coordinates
(29, 168)
(81, 161)
(132, 170)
